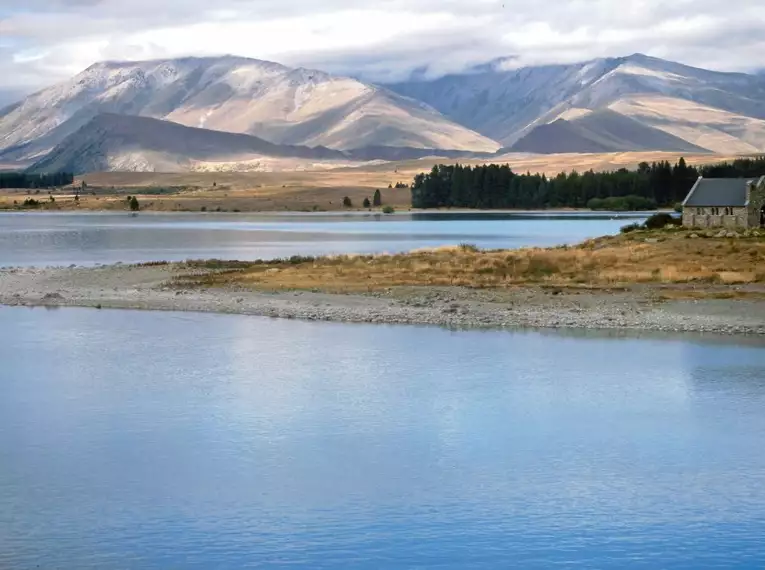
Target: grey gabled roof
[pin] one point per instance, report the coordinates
(718, 192)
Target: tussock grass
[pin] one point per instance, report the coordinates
(660, 257)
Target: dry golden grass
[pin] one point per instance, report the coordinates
(224, 200)
(606, 262)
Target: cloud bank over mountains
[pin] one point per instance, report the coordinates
(45, 41)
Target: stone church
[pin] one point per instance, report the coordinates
(725, 202)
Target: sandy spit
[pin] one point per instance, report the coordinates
(145, 288)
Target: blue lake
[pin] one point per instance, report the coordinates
(45, 239)
(167, 440)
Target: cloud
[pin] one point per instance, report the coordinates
(43, 41)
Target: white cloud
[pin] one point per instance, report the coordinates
(43, 41)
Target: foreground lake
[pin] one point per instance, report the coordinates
(44, 239)
(167, 440)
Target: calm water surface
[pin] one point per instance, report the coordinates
(166, 440)
(86, 239)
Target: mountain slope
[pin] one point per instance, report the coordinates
(599, 131)
(120, 142)
(716, 109)
(269, 100)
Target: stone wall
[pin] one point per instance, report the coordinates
(697, 217)
(741, 217)
(756, 203)
(689, 215)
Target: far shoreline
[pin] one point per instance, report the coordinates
(340, 212)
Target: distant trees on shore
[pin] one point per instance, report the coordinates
(22, 180)
(497, 186)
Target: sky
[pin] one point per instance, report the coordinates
(46, 41)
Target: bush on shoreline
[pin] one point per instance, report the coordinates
(661, 220)
(629, 203)
(657, 221)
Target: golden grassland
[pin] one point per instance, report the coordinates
(306, 190)
(211, 200)
(643, 257)
(381, 174)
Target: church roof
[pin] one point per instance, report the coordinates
(718, 192)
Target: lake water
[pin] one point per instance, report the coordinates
(166, 440)
(45, 239)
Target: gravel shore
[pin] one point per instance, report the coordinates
(145, 287)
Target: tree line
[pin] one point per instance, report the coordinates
(22, 180)
(497, 186)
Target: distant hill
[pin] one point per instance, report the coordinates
(111, 142)
(599, 131)
(119, 142)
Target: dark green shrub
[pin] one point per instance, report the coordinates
(377, 199)
(298, 259)
(658, 221)
(388, 209)
(347, 202)
(630, 228)
(622, 203)
(595, 204)
(366, 203)
(134, 205)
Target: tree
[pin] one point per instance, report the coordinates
(347, 202)
(134, 205)
(367, 203)
(377, 199)
(497, 186)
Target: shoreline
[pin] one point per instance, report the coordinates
(398, 210)
(145, 287)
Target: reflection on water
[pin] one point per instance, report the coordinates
(85, 239)
(166, 440)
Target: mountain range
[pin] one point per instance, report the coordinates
(238, 113)
(719, 112)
